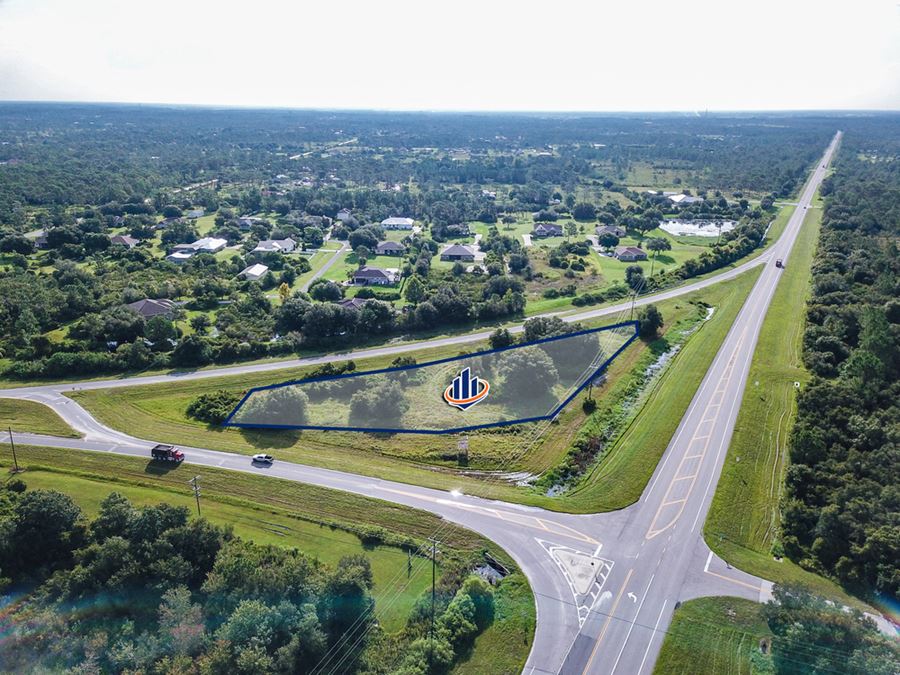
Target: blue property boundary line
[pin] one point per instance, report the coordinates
(455, 430)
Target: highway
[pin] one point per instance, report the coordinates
(605, 585)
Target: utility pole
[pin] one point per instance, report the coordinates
(195, 485)
(13, 445)
(633, 298)
(431, 632)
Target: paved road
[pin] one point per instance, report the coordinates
(605, 585)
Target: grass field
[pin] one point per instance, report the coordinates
(742, 526)
(33, 417)
(321, 522)
(714, 636)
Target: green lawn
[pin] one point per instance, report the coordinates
(742, 526)
(348, 263)
(715, 636)
(32, 417)
(321, 522)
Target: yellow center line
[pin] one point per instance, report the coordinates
(612, 610)
(734, 581)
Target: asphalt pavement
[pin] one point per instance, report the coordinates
(605, 585)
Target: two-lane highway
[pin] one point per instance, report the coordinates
(605, 585)
(660, 541)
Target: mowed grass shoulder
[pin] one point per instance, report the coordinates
(714, 636)
(620, 478)
(742, 526)
(36, 418)
(323, 523)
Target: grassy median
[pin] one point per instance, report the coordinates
(36, 418)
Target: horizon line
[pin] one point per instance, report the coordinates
(462, 111)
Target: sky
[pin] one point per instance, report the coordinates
(587, 55)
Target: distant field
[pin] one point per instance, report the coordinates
(714, 636)
(32, 417)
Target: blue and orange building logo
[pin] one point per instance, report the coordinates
(466, 390)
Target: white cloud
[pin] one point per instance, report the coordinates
(565, 55)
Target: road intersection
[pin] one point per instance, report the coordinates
(605, 585)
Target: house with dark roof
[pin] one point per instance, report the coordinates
(630, 253)
(458, 252)
(614, 230)
(124, 240)
(547, 230)
(374, 276)
(389, 248)
(148, 308)
(352, 303)
(344, 215)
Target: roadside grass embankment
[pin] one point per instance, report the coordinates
(715, 636)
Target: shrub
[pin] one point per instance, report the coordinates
(213, 408)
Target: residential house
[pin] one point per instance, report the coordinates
(682, 200)
(275, 246)
(179, 257)
(374, 276)
(124, 240)
(246, 222)
(458, 252)
(614, 230)
(389, 248)
(254, 272)
(630, 253)
(352, 303)
(165, 222)
(204, 245)
(195, 213)
(148, 308)
(547, 230)
(344, 215)
(40, 239)
(397, 223)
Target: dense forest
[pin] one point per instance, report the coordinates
(842, 508)
(150, 589)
